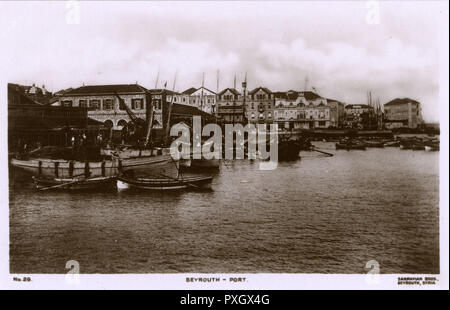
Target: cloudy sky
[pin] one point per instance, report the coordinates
(344, 49)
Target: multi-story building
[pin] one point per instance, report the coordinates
(301, 110)
(103, 105)
(360, 116)
(337, 113)
(230, 106)
(202, 98)
(32, 124)
(260, 105)
(403, 112)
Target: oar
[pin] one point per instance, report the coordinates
(329, 154)
(59, 185)
(64, 184)
(187, 183)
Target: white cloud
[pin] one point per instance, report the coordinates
(279, 44)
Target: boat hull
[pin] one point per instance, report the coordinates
(100, 183)
(201, 182)
(67, 169)
(340, 146)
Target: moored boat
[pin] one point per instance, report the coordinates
(289, 150)
(392, 144)
(350, 146)
(431, 148)
(60, 168)
(195, 182)
(373, 144)
(79, 183)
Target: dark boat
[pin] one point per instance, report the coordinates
(374, 144)
(289, 150)
(195, 182)
(350, 146)
(431, 147)
(80, 183)
(392, 144)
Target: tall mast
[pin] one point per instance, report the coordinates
(169, 112)
(157, 79)
(244, 87)
(201, 96)
(217, 86)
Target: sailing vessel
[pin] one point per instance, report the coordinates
(60, 168)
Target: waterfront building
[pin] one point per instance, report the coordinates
(230, 108)
(301, 110)
(32, 124)
(337, 113)
(103, 105)
(260, 105)
(360, 116)
(201, 98)
(403, 112)
(39, 95)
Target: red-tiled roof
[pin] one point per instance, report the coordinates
(234, 91)
(107, 89)
(309, 95)
(189, 91)
(266, 90)
(160, 90)
(400, 101)
(280, 94)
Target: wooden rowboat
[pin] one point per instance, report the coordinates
(80, 183)
(196, 182)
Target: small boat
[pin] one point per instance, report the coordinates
(289, 150)
(350, 146)
(373, 144)
(431, 148)
(80, 183)
(392, 144)
(195, 182)
(412, 146)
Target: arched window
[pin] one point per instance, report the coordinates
(122, 123)
(109, 123)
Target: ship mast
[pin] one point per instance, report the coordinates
(201, 96)
(244, 87)
(169, 112)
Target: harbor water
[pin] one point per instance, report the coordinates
(316, 215)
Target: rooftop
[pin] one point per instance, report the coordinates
(232, 90)
(106, 89)
(266, 90)
(400, 101)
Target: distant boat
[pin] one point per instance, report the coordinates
(373, 144)
(350, 146)
(392, 144)
(431, 148)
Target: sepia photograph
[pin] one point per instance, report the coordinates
(224, 144)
